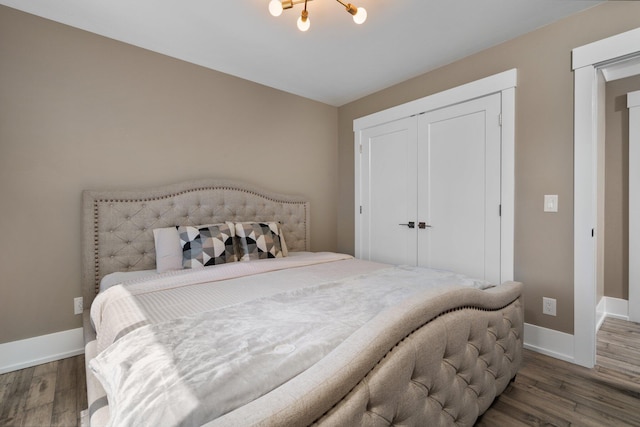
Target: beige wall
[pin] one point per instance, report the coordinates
(544, 145)
(616, 253)
(81, 111)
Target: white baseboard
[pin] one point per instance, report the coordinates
(616, 307)
(601, 312)
(561, 345)
(550, 342)
(37, 350)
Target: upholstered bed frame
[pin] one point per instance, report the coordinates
(439, 359)
(118, 225)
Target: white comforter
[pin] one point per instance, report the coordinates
(193, 368)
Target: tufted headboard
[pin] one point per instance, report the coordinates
(117, 229)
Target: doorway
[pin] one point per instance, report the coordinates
(612, 58)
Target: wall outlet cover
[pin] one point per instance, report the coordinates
(78, 305)
(548, 306)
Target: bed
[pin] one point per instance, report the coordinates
(301, 339)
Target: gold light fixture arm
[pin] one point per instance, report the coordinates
(350, 8)
(288, 4)
(303, 22)
(277, 6)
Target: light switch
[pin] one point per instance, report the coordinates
(551, 203)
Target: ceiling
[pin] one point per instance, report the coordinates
(336, 61)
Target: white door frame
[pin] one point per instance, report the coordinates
(633, 104)
(588, 61)
(503, 83)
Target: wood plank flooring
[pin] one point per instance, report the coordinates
(550, 392)
(546, 392)
(52, 394)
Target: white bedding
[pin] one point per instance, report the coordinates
(225, 338)
(128, 277)
(173, 294)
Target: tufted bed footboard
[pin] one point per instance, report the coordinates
(438, 360)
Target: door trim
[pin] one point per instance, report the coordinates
(587, 61)
(466, 92)
(633, 104)
(503, 83)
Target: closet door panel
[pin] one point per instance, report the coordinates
(459, 188)
(389, 192)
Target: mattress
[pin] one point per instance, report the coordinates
(184, 347)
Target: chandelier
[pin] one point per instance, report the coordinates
(277, 6)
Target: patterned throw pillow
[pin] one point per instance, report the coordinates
(207, 245)
(259, 240)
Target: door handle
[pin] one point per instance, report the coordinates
(423, 225)
(411, 224)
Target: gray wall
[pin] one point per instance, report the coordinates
(544, 145)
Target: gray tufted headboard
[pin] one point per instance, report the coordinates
(117, 229)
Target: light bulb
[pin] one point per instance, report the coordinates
(304, 24)
(360, 16)
(275, 7)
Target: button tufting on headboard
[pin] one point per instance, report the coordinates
(118, 225)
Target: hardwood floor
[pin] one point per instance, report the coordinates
(546, 391)
(52, 394)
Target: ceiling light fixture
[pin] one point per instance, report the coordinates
(277, 6)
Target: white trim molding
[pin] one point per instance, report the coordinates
(615, 308)
(585, 216)
(561, 345)
(633, 104)
(604, 50)
(588, 61)
(38, 350)
(508, 177)
(549, 342)
(601, 313)
(622, 69)
(476, 89)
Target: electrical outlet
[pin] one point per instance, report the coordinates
(77, 305)
(549, 306)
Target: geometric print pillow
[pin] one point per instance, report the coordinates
(259, 240)
(207, 245)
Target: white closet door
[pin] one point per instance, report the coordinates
(459, 188)
(388, 180)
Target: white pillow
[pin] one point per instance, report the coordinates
(168, 249)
